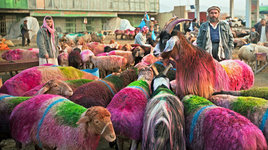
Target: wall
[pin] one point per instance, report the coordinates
(14, 4)
(162, 18)
(134, 20)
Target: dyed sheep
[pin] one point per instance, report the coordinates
(130, 56)
(255, 109)
(56, 87)
(240, 74)
(32, 77)
(149, 59)
(86, 58)
(20, 54)
(63, 59)
(261, 92)
(108, 64)
(101, 92)
(7, 104)
(212, 127)
(75, 59)
(164, 125)
(128, 106)
(206, 74)
(56, 122)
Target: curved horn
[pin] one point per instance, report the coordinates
(172, 24)
(155, 70)
(166, 69)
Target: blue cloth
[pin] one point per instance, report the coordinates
(263, 122)
(153, 36)
(43, 117)
(142, 24)
(214, 34)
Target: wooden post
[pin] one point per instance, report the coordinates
(1, 82)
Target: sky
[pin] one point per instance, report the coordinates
(239, 5)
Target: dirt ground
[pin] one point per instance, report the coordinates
(261, 80)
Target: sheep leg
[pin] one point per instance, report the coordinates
(18, 145)
(134, 145)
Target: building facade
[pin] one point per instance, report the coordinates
(76, 15)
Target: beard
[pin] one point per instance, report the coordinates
(213, 19)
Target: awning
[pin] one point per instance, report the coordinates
(71, 13)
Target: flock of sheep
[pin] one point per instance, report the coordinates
(203, 104)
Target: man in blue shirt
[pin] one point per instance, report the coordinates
(215, 36)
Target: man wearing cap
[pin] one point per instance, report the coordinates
(140, 38)
(25, 33)
(215, 36)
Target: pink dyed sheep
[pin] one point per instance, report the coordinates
(20, 54)
(32, 77)
(109, 64)
(86, 58)
(56, 122)
(63, 59)
(241, 76)
(212, 127)
(149, 59)
(128, 106)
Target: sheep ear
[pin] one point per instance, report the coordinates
(44, 89)
(83, 119)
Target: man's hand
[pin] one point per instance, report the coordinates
(46, 56)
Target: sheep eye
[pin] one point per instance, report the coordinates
(97, 121)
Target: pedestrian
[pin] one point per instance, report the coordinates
(215, 36)
(262, 29)
(25, 33)
(253, 36)
(47, 42)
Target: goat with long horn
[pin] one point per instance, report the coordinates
(197, 72)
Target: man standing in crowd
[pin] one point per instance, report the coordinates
(262, 29)
(215, 36)
(47, 42)
(25, 33)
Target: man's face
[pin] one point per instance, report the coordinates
(214, 16)
(25, 22)
(49, 22)
(263, 22)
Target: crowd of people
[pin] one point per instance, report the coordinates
(214, 36)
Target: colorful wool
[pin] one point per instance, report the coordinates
(127, 109)
(163, 126)
(261, 92)
(101, 92)
(85, 54)
(20, 54)
(149, 59)
(7, 104)
(255, 109)
(52, 124)
(212, 127)
(32, 77)
(240, 74)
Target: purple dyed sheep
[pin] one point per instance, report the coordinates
(56, 122)
(128, 106)
(7, 104)
(32, 77)
(20, 54)
(101, 92)
(212, 127)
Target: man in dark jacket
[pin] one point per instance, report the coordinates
(25, 33)
(47, 42)
(215, 36)
(263, 31)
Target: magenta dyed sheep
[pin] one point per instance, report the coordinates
(128, 106)
(51, 121)
(20, 54)
(211, 127)
(32, 77)
(241, 76)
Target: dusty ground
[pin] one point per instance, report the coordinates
(261, 80)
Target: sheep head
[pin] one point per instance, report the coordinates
(97, 120)
(160, 79)
(56, 87)
(168, 39)
(146, 74)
